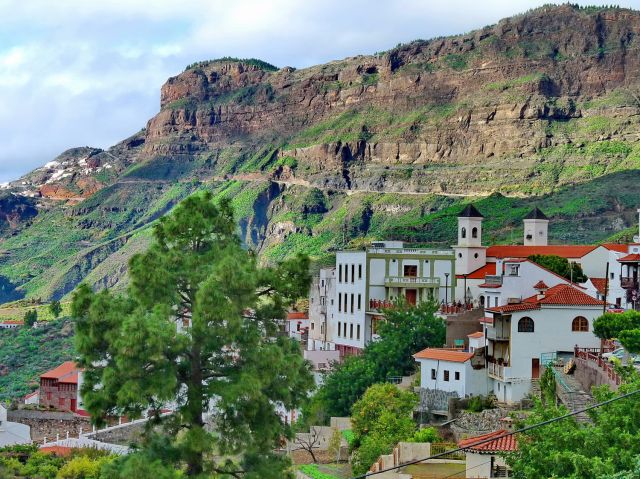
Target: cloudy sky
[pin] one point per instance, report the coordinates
(88, 72)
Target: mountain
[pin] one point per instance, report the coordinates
(540, 109)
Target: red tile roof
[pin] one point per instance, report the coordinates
(67, 372)
(489, 285)
(12, 321)
(478, 334)
(599, 284)
(501, 443)
(297, 315)
(620, 248)
(630, 258)
(61, 451)
(34, 393)
(521, 251)
(442, 354)
(486, 320)
(560, 295)
(540, 285)
(480, 273)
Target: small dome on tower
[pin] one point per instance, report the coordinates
(540, 285)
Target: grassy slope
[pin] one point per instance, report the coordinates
(27, 353)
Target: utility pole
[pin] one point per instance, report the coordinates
(446, 289)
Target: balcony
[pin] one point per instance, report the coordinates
(410, 281)
(498, 371)
(498, 334)
(628, 282)
(412, 251)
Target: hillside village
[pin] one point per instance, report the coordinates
(508, 320)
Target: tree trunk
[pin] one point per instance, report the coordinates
(195, 407)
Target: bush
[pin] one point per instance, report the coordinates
(82, 467)
(480, 403)
(427, 434)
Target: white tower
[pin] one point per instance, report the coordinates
(470, 254)
(536, 227)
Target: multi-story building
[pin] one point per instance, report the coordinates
(59, 387)
(347, 301)
(519, 334)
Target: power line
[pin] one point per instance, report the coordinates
(506, 434)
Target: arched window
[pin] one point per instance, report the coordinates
(580, 324)
(525, 325)
(474, 233)
(463, 232)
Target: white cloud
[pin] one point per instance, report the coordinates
(78, 72)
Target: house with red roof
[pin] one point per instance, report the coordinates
(520, 333)
(455, 372)
(11, 324)
(484, 454)
(59, 387)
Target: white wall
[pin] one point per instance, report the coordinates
(350, 287)
(472, 382)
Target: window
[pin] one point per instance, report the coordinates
(446, 375)
(457, 375)
(358, 333)
(495, 302)
(513, 269)
(580, 324)
(345, 302)
(352, 295)
(339, 302)
(612, 275)
(353, 272)
(463, 232)
(525, 325)
(323, 300)
(61, 402)
(410, 270)
(359, 271)
(339, 273)
(433, 374)
(351, 331)
(339, 328)
(346, 273)
(322, 283)
(474, 232)
(312, 326)
(359, 301)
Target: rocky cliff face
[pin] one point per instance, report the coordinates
(527, 107)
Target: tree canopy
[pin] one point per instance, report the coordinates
(195, 331)
(559, 265)
(406, 330)
(623, 326)
(381, 418)
(608, 446)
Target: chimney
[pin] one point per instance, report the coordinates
(507, 423)
(542, 288)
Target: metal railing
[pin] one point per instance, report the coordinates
(417, 251)
(440, 447)
(412, 280)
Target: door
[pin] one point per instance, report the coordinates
(411, 295)
(74, 405)
(535, 368)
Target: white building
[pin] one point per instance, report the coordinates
(486, 460)
(519, 334)
(451, 370)
(364, 282)
(11, 324)
(12, 433)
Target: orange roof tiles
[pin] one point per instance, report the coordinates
(620, 248)
(560, 295)
(521, 251)
(630, 258)
(480, 273)
(442, 354)
(297, 315)
(12, 321)
(501, 443)
(476, 335)
(540, 285)
(67, 372)
(599, 283)
(61, 451)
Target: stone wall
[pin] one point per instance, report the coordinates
(435, 399)
(588, 374)
(121, 435)
(50, 423)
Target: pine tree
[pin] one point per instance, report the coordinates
(55, 308)
(194, 330)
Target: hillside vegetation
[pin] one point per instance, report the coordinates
(538, 109)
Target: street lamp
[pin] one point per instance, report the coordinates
(446, 289)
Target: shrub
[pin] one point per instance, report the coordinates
(427, 434)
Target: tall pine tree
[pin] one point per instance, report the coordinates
(196, 329)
